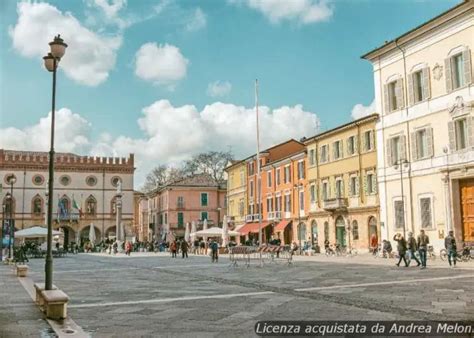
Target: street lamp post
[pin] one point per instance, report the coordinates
(1, 231)
(12, 181)
(58, 48)
(296, 187)
(399, 164)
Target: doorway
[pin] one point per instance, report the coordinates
(466, 188)
(340, 232)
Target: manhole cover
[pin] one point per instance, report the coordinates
(68, 331)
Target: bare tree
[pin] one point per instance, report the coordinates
(161, 176)
(213, 163)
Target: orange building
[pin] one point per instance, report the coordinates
(287, 154)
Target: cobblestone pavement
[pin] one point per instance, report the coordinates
(153, 294)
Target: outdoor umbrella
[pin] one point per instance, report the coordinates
(193, 230)
(35, 232)
(225, 232)
(186, 233)
(214, 232)
(92, 234)
(204, 227)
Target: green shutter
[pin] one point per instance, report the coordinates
(180, 219)
(204, 199)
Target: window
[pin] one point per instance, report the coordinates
(64, 206)
(278, 176)
(421, 144)
(180, 219)
(312, 157)
(301, 200)
(241, 207)
(425, 212)
(278, 203)
(251, 188)
(394, 95)
(242, 177)
(91, 205)
(166, 218)
(355, 231)
(325, 191)
(324, 153)
(351, 145)
(287, 203)
(115, 181)
(337, 150)
(180, 202)
(38, 179)
(399, 214)
(339, 191)
(91, 181)
(368, 140)
(370, 184)
(418, 86)
(353, 186)
(251, 168)
(301, 170)
(65, 180)
(461, 133)
(269, 204)
(395, 150)
(269, 178)
(312, 193)
(204, 199)
(287, 174)
(458, 71)
(37, 205)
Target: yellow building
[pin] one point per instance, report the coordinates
(236, 193)
(342, 185)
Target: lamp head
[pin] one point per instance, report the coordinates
(58, 47)
(49, 62)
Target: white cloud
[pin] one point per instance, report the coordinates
(89, 57)
(110, 8)
(219, 88)
(359, 110)
(169, 134)
(160, 64)
(197, 21)
(300, 11)
(71, 134)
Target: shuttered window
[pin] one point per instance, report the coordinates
(339, 189)
(324, 191)
(301, 200)
(203, 215)
(337, 150)
(422, 144)
(269, 179)
(425, 212)
(399, 214)
(324, 154)
(312, 157)
(458, 70)
(368, 140)
(351, 146)
(287, 203)
(300, 170)
(278, 176)
(461, 133)
(312, 193)
(180, 219)
(393, 93)
(370, 184)
(354, 191)
(204, 199)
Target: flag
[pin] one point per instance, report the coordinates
(75, 206)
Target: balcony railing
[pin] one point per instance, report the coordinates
(287, 214)
(180, 205)
(67, 217)
(335, 204)
(256, 217)
(271, 215)
(248, 218)
(277, 214)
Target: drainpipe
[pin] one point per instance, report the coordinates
(407, 124)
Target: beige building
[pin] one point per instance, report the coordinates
(236, 193)
(342, 195)
(85, 190)
(424, 93)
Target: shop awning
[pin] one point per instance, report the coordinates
(251, 227)
(282, 225)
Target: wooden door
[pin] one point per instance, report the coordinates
(467, 209)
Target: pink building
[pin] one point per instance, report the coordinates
(192, 199)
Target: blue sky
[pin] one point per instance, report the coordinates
(299, 59)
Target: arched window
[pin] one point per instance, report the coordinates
(355, 231)
(64, 206)
(9, 204)
(91, 205)
(37, 205)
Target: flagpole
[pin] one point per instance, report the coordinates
(258, 174)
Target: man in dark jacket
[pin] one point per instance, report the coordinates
(401, 247)
(184, 248)
(423, 241)
(450, 246)
(412, 248)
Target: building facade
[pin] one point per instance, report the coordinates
(176, 205)
(236, 193)
(425, 95)
(341, 189)
(85, 190)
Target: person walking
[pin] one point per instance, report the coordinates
(214, 251)
(374, 243)
(422, 242)
(173, 248)
(450, 246)
(128, 248)
(184, 248)
(402, 248)
(412, 248)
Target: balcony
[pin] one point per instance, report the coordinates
(256, 217)
(287, 214)
(271, 215)
(66, 218)
(248, 218)
(180, 205)
(277, 215)
(335, 204)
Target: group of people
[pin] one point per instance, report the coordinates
(199, 247)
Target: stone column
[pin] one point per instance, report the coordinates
(118, 219)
